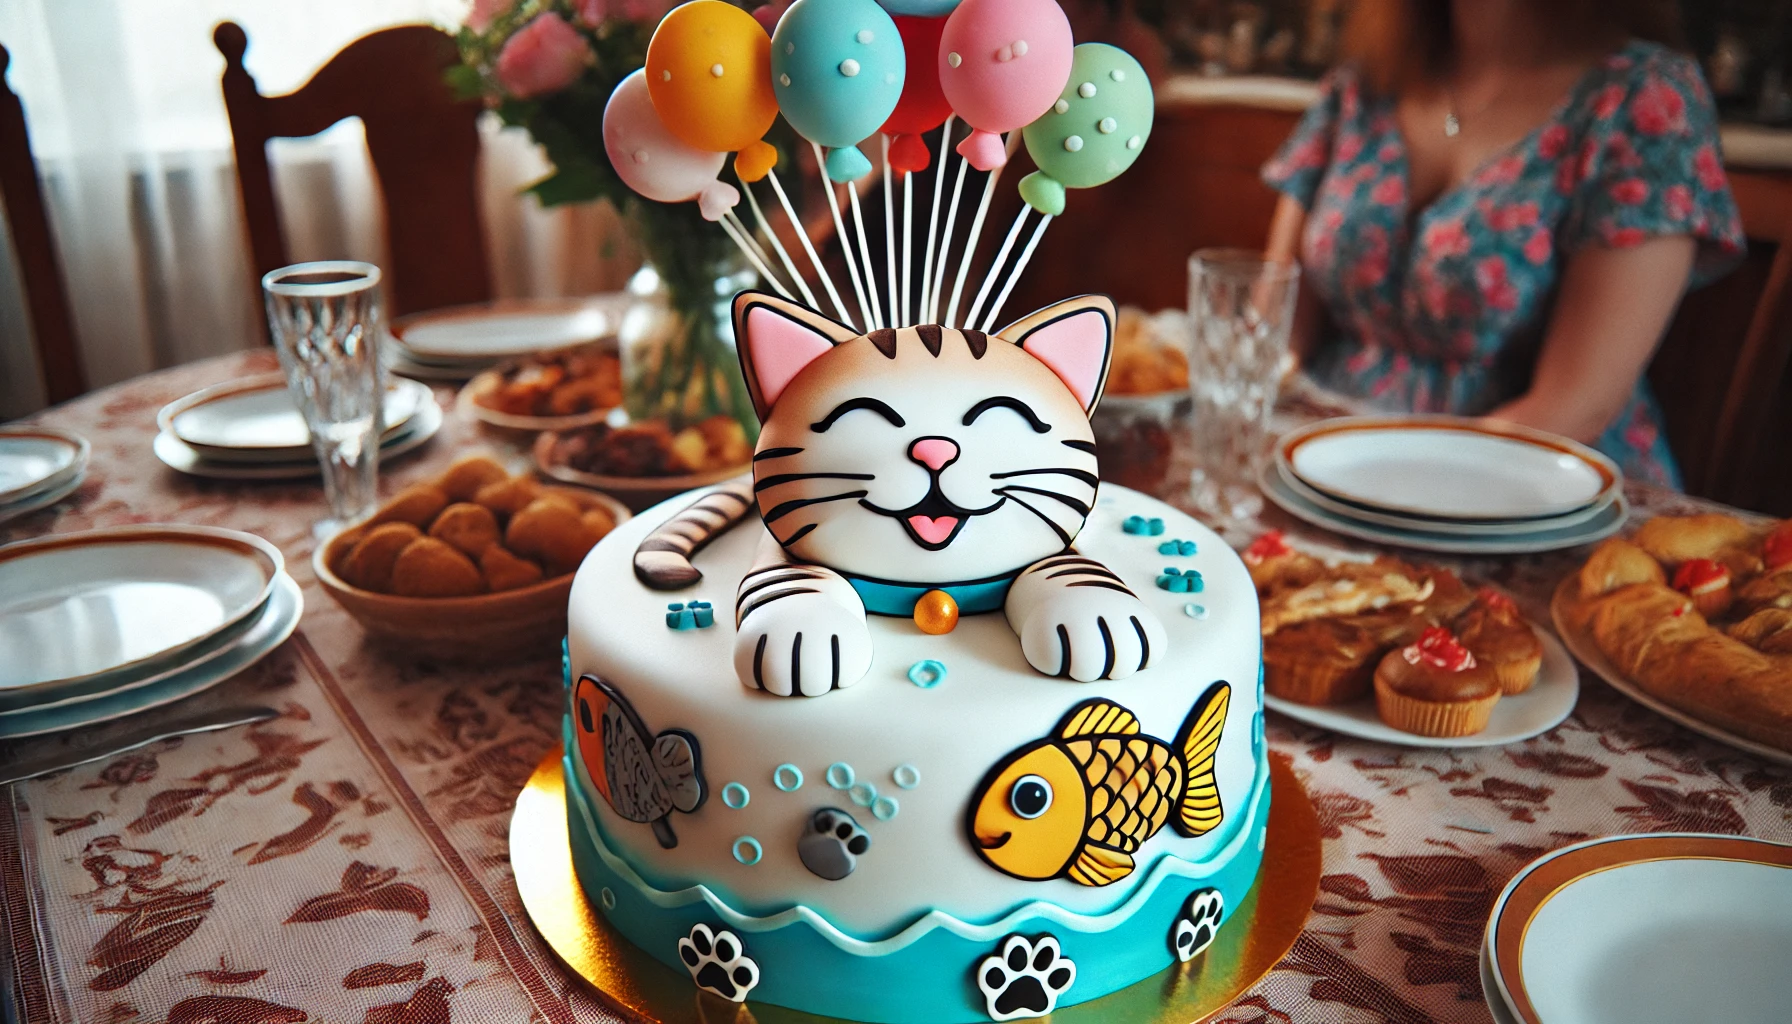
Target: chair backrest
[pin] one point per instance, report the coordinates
(425, 148)
(46, 297)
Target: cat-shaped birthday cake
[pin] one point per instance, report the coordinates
(1042, 778)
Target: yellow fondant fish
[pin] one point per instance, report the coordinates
(1078, 803)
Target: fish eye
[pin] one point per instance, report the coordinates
(1030, 797)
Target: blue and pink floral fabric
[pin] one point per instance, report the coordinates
(1443, 309)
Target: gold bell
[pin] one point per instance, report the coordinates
(936, 612)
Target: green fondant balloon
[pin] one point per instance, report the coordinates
(1094, 132)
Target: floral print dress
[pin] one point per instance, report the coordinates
(1443, 309)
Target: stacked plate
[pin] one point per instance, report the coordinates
(459, 342)
(1662, 927)
(1446, 483)
(38, 468)
(250, 429)
(106, 623)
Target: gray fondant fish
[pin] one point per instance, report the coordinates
(643, 777)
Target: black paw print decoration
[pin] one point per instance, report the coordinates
(718, 962)
(832, 844)
(1194, 931)
(1025, 978)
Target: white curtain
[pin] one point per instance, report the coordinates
(127, 123)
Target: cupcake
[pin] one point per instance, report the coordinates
(1707, 583)
(1435, 687)
(1497, 635)
(1271, 563)
(1320, 661)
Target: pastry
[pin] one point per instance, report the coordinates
(1671, 541)
(1435, 687)
(464, 479)
(469, 527)
(1618, 563)
(368, 564)
(1350, 589)
(1498, 636)
(507, 497)
(1707, 583)
(418, 505)
(1322, 661)
(1769, 590)
(428, 567)
(551, 532)
(505, 571)
(1776, 547)
(1273, 563)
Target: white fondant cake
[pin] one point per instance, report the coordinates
(953, 828)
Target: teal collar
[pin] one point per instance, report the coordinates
(898, 599)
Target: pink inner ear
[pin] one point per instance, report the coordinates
(1076, 349)
(780, 348)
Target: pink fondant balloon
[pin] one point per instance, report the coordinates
(1002, 65)
(654, 162)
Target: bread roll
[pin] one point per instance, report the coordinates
(1672, 540)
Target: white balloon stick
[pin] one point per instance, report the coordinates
(890, 241)
(939, 278)
(995, 268)
(778, 246)
(908, 239)
(765, 273)
(858, 223)
(852, 266)
(746, 235)
(796, 224)
(924, 310)
(970, 245)
(1025, 255)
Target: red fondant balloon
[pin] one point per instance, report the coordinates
(923, 106)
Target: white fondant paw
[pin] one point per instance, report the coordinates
(1025, 978)
(718, 963)
(802, 644)
(1090, 633)
(1199, 924)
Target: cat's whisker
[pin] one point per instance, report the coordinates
(780, 511)
(1081, 508)
(1083, 476)
(1063, 534)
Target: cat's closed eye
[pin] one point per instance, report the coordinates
(854, 405)
(1019, 407)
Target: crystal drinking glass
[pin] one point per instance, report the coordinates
(1241, 308)
(325, 319)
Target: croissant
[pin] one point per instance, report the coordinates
(1672, 540)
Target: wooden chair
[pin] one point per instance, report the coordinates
(425, 148)
(46, 298)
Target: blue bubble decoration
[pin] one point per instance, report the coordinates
(920, 8)
(837, 69)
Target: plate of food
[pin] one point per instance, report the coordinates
(1692, 617)
(645, 463)
(553, 391)
(1148, 371)
(1403, 653)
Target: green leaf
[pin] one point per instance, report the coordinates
(466, 81)
(570, 183)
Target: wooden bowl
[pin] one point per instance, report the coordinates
(637, 492)
(528, 621)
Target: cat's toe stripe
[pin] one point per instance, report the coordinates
(1144, 644)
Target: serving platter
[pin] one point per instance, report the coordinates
(1670, 926)
(255, 420)
(1583, 648)
(1536, 711)
(74, 607)
(1447, 467)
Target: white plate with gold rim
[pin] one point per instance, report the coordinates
(178, 455)
(1456, 528)
(1448, 467)
(1654, 927)
(1536, 711)
(37, 460)
(490, 331)
(255, 420)
(75, 606)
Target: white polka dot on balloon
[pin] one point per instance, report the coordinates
(1135, 142)
(716, 70)
(953, 59)
(1074, 144)
(849, 68)
(1062, 106)
(865, 36)
(1108, 125)
(1086, 90)
(1020, 47)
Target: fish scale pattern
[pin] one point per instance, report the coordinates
(1132, 780)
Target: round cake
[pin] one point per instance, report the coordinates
(824, 751)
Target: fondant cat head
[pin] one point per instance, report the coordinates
(924, 455)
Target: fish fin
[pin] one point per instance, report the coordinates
(596, 696)
(1198, 810)
(1099, 865)
(1098, 717)
(680, 768)
(662, 830)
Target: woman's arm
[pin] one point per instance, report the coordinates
(1612, 310)
(1284, 246)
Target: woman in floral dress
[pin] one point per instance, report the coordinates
(1497, 205)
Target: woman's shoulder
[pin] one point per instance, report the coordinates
(1640, 76)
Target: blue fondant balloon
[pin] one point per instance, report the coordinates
(920, 8)
(838, 69)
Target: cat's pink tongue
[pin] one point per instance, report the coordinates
(931, 530)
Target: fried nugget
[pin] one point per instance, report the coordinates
(368, 564)
(418, 504)
(507, 497)
(469, 527)
(432, 568)
(548, 532)
(505, 571)
(599, 521)
(464, 479)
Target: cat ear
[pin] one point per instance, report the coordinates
(1075, 338)
(776, 339)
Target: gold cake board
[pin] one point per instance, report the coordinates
(640, 988)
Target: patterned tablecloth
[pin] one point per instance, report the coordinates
(348, 860)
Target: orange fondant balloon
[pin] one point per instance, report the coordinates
(709, 75)
(936, 612)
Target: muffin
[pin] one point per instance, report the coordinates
(1497, 635)
(1320, 661)
(1707, 583)
(1435, 687)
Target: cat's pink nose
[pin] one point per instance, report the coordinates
(933, 452)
